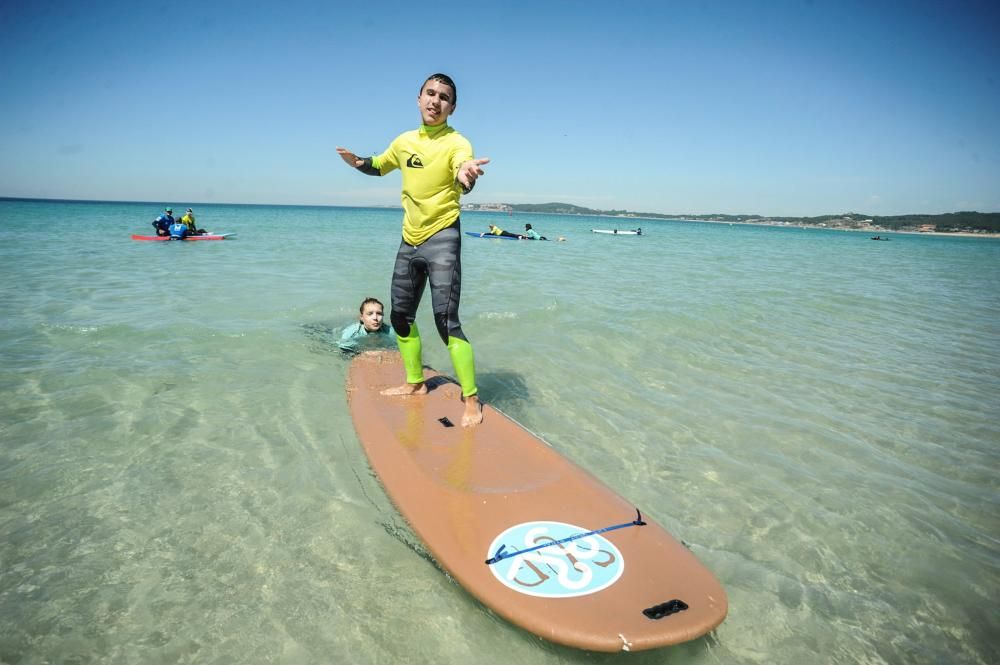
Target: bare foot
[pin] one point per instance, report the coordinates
(407, 389)
(473, 411)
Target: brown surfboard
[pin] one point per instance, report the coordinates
(530, 534)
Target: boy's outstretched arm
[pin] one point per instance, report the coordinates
(349, 157)
(468, 172)
(362, 164)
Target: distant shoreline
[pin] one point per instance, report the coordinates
(873, 229)
(952, 223)
(878, 230)
(783, 225)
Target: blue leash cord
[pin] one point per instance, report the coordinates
(501, 554)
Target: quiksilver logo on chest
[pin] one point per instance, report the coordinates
(414, 162)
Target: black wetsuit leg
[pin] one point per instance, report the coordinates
(438, 260)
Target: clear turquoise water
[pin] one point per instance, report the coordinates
(815, 414)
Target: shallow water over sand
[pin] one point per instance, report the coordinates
(812, 412)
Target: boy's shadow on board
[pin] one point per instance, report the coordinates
(499, 389)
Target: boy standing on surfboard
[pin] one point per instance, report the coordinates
(437, 165)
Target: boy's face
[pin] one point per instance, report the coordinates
(371, 317)
(436, 102)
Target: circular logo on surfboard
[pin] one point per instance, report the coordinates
(551, 560)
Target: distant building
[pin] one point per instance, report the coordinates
(487, 207)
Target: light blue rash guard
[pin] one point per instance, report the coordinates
(355, 338)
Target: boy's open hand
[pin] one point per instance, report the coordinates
(349, 157)
(469, 171)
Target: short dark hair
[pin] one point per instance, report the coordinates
(369, 301)
(443, 78)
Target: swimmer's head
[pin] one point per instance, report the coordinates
(370, 314)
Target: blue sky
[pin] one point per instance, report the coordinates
(776, 108)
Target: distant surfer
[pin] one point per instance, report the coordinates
(163, 222)
(368, 329)
(178, 230)
(532, 234)
(193, 229)
(437, 165)
(497, 231)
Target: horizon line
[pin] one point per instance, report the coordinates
(678, 216)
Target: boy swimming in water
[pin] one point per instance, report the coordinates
(437, 166)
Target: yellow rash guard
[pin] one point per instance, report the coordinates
(429, 159)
